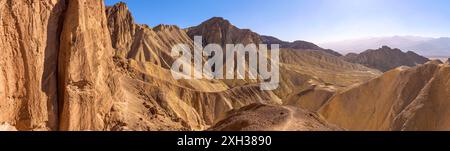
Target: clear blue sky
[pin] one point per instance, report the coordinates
(311, 20)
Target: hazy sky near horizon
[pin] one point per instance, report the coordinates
(311, 20)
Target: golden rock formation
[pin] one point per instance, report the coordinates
(401, 99)
(29, 42)
(79, 65)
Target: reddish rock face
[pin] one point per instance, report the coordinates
(220, 31)
(385, 58)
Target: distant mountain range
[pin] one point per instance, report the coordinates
(298, 44)
(386, 58)
(425, 46)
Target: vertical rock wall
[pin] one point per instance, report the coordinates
(85, 67)
(29, 43)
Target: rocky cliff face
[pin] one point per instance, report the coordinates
(122, 28)
(85, 69)
(140, 42)
(385, 58)
(29, 41)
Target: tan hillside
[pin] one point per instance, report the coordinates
(259, 117)
(401, 99)
(325, 67)
(298, 66)
(187, 104)
(208, 99)
(311, 77)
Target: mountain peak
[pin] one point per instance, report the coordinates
(166, 27)
(120, 12)
(385, 47)
(220, 31)
(386, 58)
(120, 22)
(218, 20)
(119, 6)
